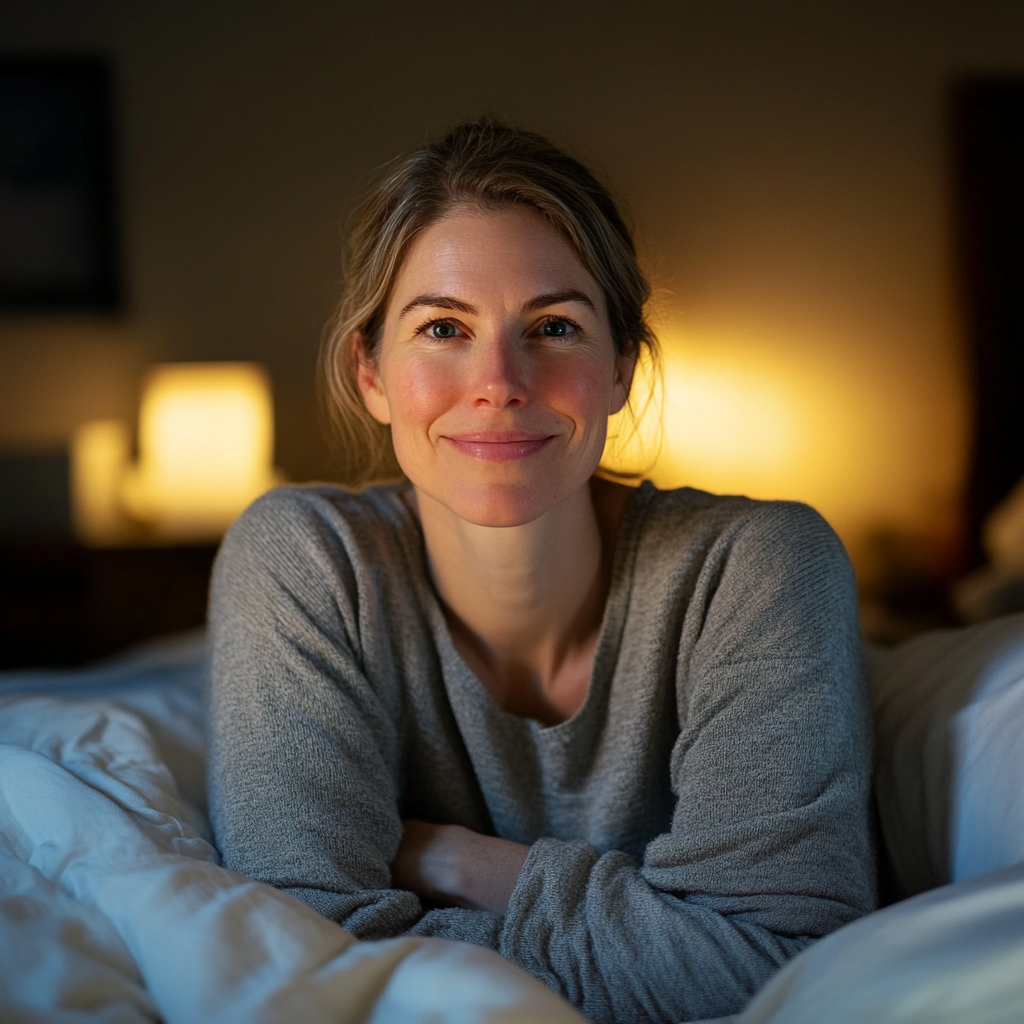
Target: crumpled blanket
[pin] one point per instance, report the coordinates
(114, 909)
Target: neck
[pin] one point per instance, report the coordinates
(524, 604)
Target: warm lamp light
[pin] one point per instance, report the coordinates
(206, 441)
(719, 425)
(735, 418)
(99, 457)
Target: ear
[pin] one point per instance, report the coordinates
(625, 367)
(370, 385)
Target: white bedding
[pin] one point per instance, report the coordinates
(954, 955)
(113, 907)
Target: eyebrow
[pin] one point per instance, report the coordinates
(538, 302)
(556, 298)
(437, 302)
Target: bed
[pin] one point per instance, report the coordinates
(114, 908)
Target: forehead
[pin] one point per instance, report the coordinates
(509, 250)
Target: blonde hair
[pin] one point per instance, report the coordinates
(490, 165)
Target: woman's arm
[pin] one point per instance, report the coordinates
(456, 867)
(769, 844)
(305, 756)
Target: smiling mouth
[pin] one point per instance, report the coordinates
(499, 447)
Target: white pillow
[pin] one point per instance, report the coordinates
(950, 956)
(949, 752)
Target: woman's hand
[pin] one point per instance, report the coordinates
(452, 866)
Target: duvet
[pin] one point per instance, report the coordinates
(113, 907)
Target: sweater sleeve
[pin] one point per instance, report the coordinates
(769, 845)
(305, 759)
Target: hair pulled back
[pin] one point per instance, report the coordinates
(489, 165)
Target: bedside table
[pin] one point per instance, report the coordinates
(62, 604)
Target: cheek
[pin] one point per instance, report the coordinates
(419, 393)
(584, 392)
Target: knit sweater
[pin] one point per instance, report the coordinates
(700, 819)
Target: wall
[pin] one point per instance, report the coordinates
(785, 165)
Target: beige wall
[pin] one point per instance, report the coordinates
(784, 163)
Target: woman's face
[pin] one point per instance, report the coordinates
(496, 367)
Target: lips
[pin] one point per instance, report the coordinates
(499, 446)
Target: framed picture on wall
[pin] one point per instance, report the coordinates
(57, 213)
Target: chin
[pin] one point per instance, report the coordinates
(501, 506)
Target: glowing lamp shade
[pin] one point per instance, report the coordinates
(99, 455)
(205, 446)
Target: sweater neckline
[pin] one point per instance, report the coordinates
(463, 684)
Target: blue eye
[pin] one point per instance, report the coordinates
(555, 328)
(443, 330)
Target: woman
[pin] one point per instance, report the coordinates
(615, 733)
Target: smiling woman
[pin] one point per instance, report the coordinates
(496, 369)
(615, 733)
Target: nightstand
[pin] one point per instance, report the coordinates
(63, 604)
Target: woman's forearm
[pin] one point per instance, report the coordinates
(454, 866)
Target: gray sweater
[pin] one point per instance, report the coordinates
(698, 821)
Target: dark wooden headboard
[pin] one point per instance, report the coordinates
(988, 140)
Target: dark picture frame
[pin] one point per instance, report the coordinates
(58, 236)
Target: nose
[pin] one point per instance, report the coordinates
(499, 373)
